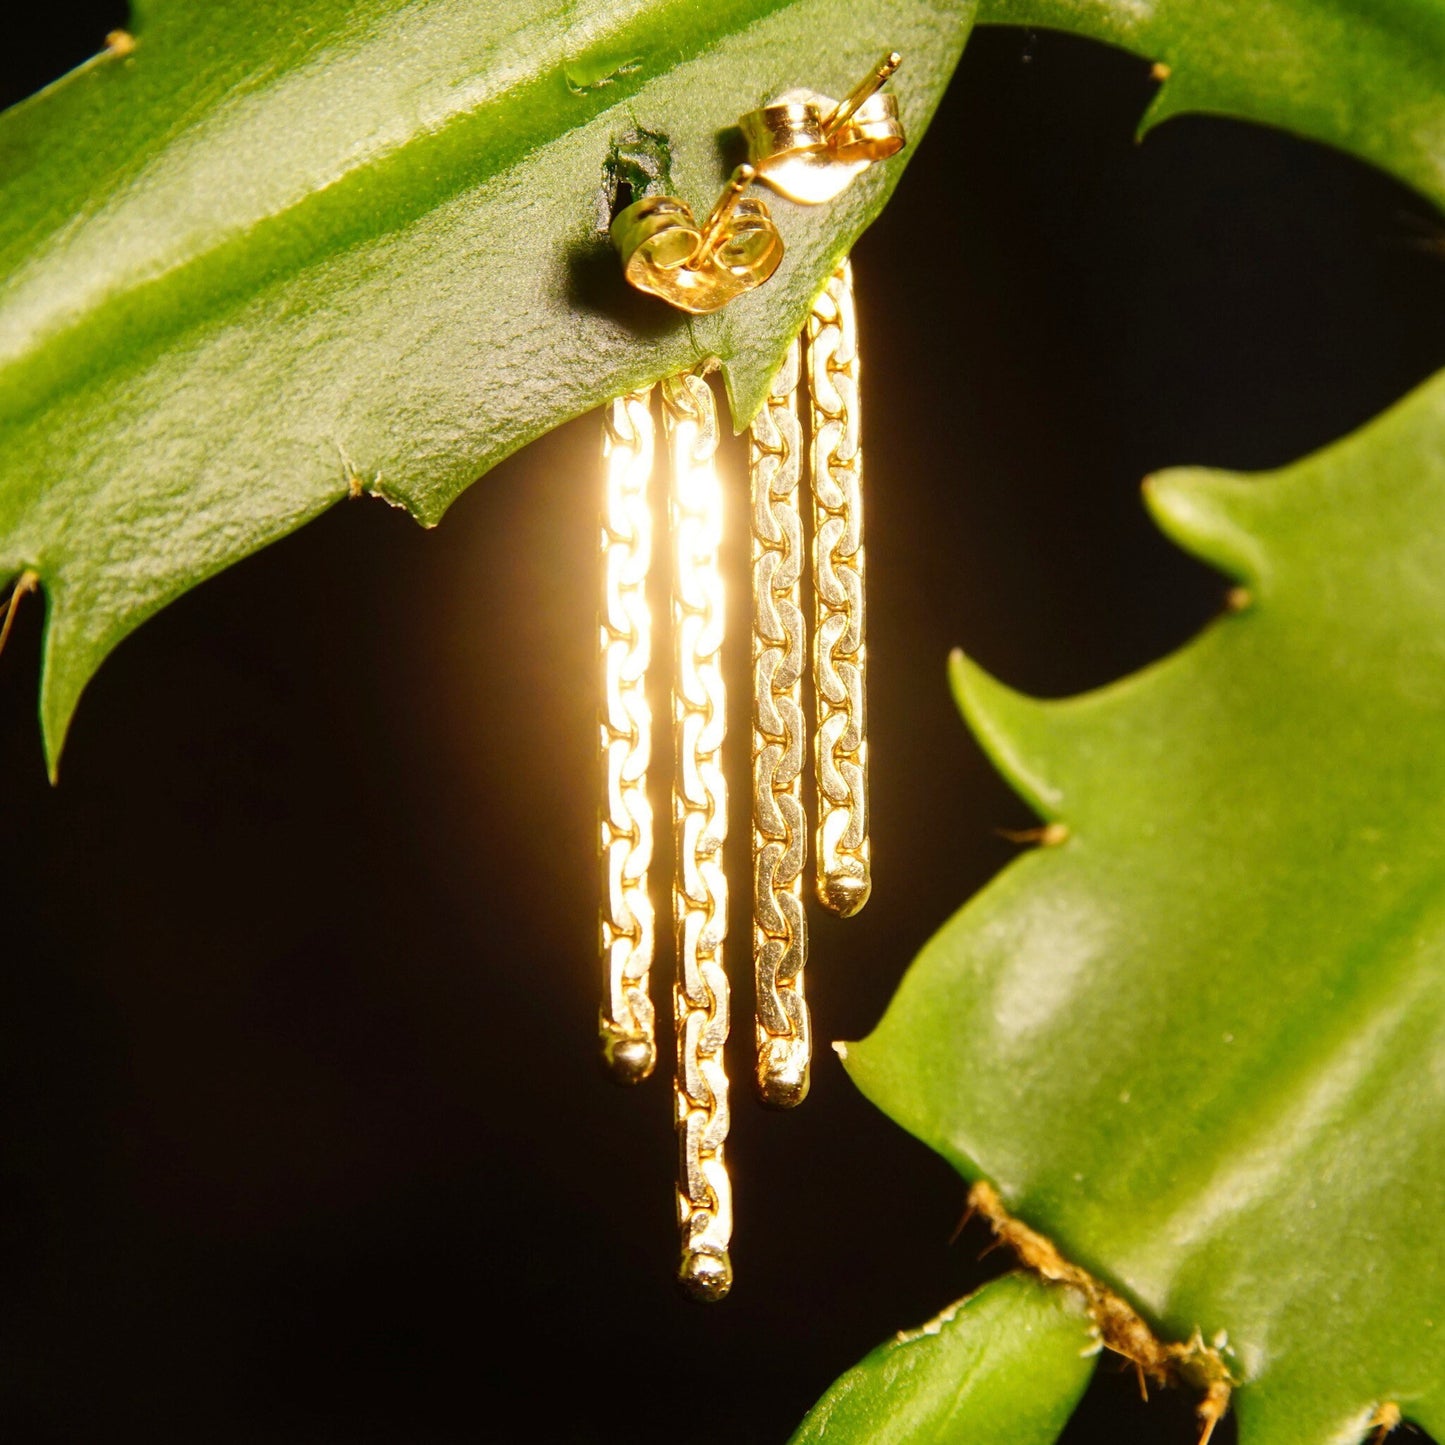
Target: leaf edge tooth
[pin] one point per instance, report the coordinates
(1008, 726)
(1210, 514)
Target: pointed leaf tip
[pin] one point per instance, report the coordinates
(68, 661)
(59, 696)
(1210, 514)
(1017, 732)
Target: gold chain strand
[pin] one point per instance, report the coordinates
(700, 894)
(780, 832)
(629, 1045)
(839, 656)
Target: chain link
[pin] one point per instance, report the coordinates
(700, 994)
(700, 894)
(839, 656)
(780, 831)
(629, 1044)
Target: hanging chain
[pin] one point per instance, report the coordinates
(628, 1041)
(700, 893)
(780, 831)
(839, 656)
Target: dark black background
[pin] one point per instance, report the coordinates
(301, 1138)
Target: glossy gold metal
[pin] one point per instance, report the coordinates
(810, 147)
(629, 1046)
(721, 229)
(854, 101)
(699, 269)
(840, 662)
(700, 892)
(780, 827)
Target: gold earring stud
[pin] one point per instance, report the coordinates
(699, 268)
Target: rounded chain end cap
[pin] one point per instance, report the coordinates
(783, 1074)
(627, 1058)
(845, 893)
(705, 1275)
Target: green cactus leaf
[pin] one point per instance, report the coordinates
(1199, 1039)
(1368, 79)
(270, 258)
(1006, 1366)
(281, 253)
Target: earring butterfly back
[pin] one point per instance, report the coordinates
(699, 268)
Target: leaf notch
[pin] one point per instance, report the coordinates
(1121, 1328)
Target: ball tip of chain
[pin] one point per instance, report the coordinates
(845, 893)
(705, 1275)
(627, 1058)
(783, 1074)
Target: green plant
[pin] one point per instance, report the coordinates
(1331, 669)
(258, 317)
(1192, 1036)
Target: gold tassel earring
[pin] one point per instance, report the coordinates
(698, 268)
(809, 147)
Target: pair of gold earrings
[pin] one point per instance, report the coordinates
(809, 148)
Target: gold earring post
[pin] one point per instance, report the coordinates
(629, 1047)
(700, 269)
(871, 83)
(840, 662)
(700, 891)
(716, 224)
(810, 147)
(780, 827)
